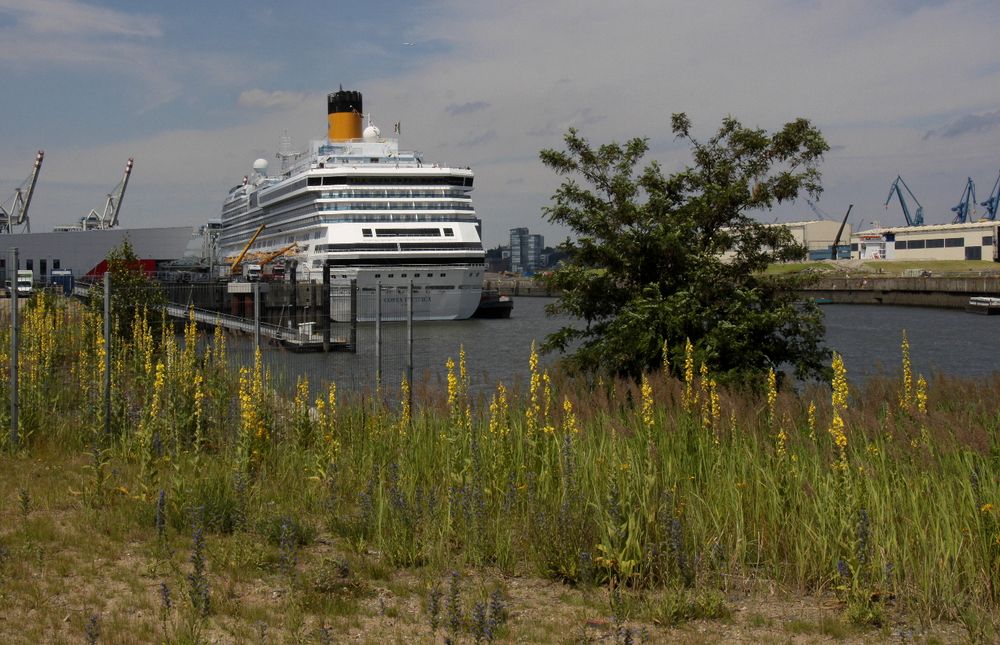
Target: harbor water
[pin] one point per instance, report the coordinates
(942, 341)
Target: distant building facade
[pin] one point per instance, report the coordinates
(525, 251)
(968, 241)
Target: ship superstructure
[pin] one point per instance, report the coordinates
(372, 212)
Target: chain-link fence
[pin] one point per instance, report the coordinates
(361, 339)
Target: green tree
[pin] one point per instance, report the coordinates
(132, 291)
(668, 258)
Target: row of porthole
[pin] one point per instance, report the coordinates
(472, 274)
(403, 275)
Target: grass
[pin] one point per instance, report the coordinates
(587, 512)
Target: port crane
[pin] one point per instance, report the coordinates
(840, 231)
(819, 211)
(274, 255)
(917, 219)
(234, 267)
(16, 214)
(108, 218)
(962, 210)
(993, 201)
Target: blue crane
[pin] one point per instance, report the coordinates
(968, 199)
(994, 200)
(918, 218)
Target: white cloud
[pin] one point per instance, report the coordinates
(257, 98)
(507, 78)
(68, 17)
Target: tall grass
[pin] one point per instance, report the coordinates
(889, 493)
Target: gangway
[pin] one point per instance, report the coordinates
(289, 337)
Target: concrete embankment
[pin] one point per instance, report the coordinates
(933, 291)
(517, 286)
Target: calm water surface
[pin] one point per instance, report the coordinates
(868, 336)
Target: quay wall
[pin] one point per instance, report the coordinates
(933, 291)
(301, 303)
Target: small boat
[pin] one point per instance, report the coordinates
(493, 305)
(983, 305)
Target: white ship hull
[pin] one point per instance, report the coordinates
(444, 293)
(369, 212)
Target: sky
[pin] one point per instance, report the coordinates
(195, 91)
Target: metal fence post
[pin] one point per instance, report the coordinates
(256, 315)
(378, 335)
(324, 310)
(14, 402)
(107, 353)
(409, 345)
(354, 316)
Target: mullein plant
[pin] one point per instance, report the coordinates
(690, 394)
(838, 400)
(254, 430)
(906, 395)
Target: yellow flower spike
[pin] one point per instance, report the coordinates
(905, 397)
(547, 391)
(772, 396)
(569, 420)
(452, 384)
(462, 374)
(689, 395)
(404, 415)
(666, 358)
(532, 413)
(921, 395)
(199, 396)
(811, 420)
(499, 425)
(647, 402)
(839, 404)
(716, 405)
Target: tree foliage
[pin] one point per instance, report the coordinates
(132, 291)
(661, 259)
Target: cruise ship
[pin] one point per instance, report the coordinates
(373, 213)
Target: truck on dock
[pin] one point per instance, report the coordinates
(252, 272)
(25, 282)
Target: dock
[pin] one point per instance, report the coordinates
(297, 339)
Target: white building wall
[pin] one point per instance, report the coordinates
(971, 241)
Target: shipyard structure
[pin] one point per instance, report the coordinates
(965, 241)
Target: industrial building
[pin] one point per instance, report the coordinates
(967, 241)
(83, 252)
(818, 236)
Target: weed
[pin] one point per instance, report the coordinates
(757, 620)
(288, 549)
(678, 605)
(93, 630)
(161, 517)
(198, 588)
(434, 608)
(24, 502)
(453, 605)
